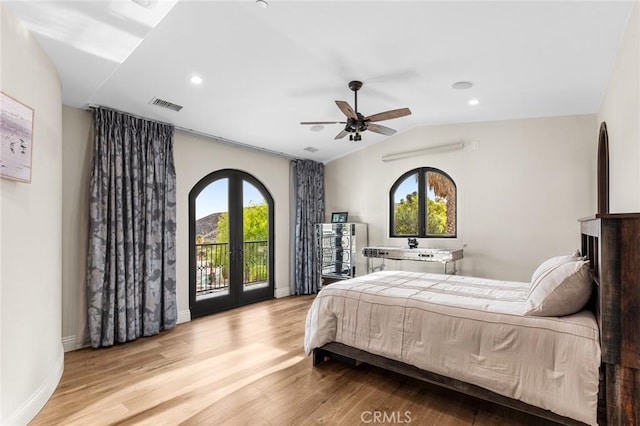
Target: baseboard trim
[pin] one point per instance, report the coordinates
(282, 292)
(183, 316)
(69, 343)
(28, 410)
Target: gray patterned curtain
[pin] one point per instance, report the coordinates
(309, 201)
(131, 277)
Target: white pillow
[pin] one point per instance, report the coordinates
(551, 263)
(561, 289)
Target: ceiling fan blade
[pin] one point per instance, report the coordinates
(383, 130)
(388, 115)
(323, 122)
(342, 134)
(347, 110)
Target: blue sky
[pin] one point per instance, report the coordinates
(214, 198)
(408, 186)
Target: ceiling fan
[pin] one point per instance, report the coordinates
(357, 123)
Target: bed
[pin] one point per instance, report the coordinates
(470, 334)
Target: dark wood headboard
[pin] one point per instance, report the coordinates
(611, 242)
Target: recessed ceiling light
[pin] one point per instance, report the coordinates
(316, 128)
(473, 102)
(262, 3)
(196, 80)
(462, 85)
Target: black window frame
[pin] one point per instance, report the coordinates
(422, 202)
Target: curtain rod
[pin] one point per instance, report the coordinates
(236, 144)
(93, 106)
(437, 148)
(219, 139)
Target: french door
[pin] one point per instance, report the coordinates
(230, 242)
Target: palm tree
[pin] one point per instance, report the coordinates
(443, 187)
(444, 190)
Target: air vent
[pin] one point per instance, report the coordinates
(165, 104)
(311, 149)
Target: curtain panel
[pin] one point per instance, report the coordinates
(131, 267)
(309, 205)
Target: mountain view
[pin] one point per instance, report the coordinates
(208, 227)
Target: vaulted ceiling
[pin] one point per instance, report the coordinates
(264, 70)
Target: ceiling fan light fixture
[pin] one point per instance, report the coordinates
(462, 85)
(356, 122)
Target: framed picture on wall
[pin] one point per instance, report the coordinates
(16, 131)
(339, 217)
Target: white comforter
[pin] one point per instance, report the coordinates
(470, 329)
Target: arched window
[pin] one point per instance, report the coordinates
(422, 203)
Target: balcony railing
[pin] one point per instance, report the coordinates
(212, 266)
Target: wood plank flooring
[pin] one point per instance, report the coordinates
(247, 367)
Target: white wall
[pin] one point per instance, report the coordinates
(519, 194)
(620, 109)
(77, 152)
(195, 157)
(30, 331)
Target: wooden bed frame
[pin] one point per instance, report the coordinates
(611, 242)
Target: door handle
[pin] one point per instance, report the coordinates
(235, 254)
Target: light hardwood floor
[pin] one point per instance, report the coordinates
(247, 366)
